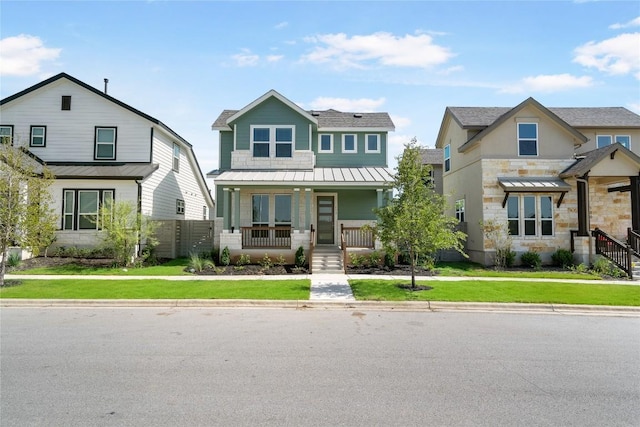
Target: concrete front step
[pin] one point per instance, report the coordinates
(327, 260)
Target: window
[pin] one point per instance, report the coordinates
(66, 102)
(460, 210)
(527, 139)
(260, 214)
(105, 144)
(204, 213)
(447, 157)
(176, 157)
(349, 143)
(624, 140)
(603, 140)
(6, 134)
(536, 213)
(283, 209)
(325, 143)
(38, 136)
(81, 208)
(272, 141)
(180, 207)
(373, 143)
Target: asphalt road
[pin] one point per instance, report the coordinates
(275, 367)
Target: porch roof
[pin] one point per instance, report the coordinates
(102, 171)
(533, 184)
(360, 176)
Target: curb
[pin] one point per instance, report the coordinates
(432, 306)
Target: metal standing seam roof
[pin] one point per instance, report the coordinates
(317, 176)
(533, 184)
(120, 171)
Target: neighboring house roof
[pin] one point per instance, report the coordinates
(480, 118)
(137, 171)
(432, 156)
(324, 119)
(329, 176)
(583, 165)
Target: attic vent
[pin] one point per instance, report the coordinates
(66, 102)
(357, 115)
(315, 113)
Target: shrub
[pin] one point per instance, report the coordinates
(389, 260)
(225, 257)
(604, 267)
(13, 260)
(374, 259)
(300, 258)
(280, 261)
(505, 258)
(428, 263)
(580, 268)
(244, 259)
(198, 263)
(531, 259)
(357, 260)
(562, 258)
(266, 262)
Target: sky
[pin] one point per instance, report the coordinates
(183, 62)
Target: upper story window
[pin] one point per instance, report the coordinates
(325, 143)
(604, 140)
(373, 143)
(105, 143)
(447, 157)
(349, 143)
(66, 102)
(38, 136)
(6, 134)
(176, 157)
(272, 141)
(460, 210)
(527, 139)
(180, 206)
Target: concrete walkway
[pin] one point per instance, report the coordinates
(331, 287)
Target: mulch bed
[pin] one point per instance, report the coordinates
(250, 270)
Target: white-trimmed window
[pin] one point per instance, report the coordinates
(531, 217)
(81, 208)
(6, 134)
(105, 143)
(272, 141)
(527, 139)
(176, 157)
(38, 136)
(447, 157)
(624, 140)
(349, 143)
(260, 215)
(325, 143)
(179, 206)
(604, 140)
(460, 210)
(372, 143)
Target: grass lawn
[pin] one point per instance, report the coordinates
(159, 289)
(172, 268)
(469, 269)
(507, 291)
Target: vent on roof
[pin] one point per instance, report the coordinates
(357, 115)
(315, 113)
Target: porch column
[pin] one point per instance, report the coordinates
(389, 196)
(635, 202)
(380, 194)
(296, 209)
(307, 208)
(583, 210)
(236, 216)
(226, 210)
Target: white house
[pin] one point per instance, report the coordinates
(100, 149)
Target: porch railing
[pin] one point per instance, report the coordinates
(343, 247)
(266, 237)
(312, 245)
(633, 239)
(356, 237)
(614, 250)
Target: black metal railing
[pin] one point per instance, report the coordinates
(614, 250)
(266, 237)
(633, 239)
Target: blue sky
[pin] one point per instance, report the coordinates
(184, 62)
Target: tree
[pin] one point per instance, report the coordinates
(413, 221)
(122, 229)
(26, 219)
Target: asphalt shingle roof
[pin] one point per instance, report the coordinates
(593, 157)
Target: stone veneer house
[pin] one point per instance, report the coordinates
(553, 174)
(290, 177)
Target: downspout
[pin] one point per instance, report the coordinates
(139, 217)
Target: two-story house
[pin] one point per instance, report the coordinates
(552, 174)
(101, 149)
(290, 177)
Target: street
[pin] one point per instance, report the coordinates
(277, 367)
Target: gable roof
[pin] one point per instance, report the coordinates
(583, 165)
(324, 119)
(432, 156)
(480, 118)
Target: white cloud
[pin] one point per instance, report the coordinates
(634, 106)
(362, 105)
(281, 25)
(400, 122)
(274, 58)
(633, 23)
(549, 83)
(246, 59)
(23, 55)
(381, 48)
(619, 55)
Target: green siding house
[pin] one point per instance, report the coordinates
(290, 177)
